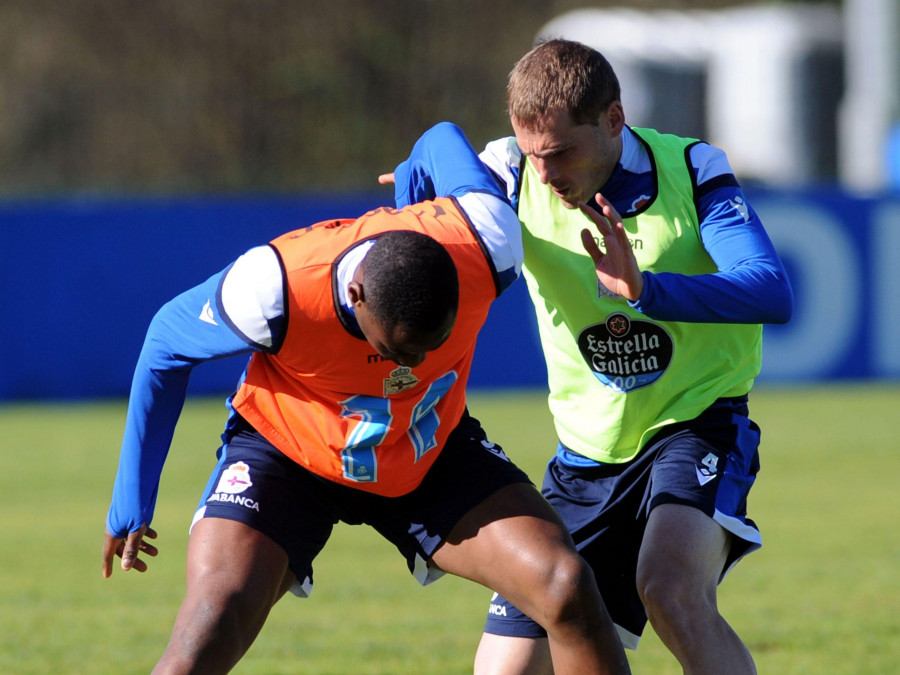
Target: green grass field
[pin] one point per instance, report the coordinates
(823, 595)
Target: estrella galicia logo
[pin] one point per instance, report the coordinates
(625, 353)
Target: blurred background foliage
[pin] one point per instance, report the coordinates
(212, 96)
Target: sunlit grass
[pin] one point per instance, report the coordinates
(823, 595)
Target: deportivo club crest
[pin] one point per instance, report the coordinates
(400, 379)
(235, 479)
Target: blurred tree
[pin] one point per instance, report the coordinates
(166, 96)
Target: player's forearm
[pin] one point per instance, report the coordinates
(442, 163)
(155, 404)
(751, 285)
(179, 338)
(746, 295)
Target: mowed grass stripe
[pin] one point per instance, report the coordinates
(823, 595)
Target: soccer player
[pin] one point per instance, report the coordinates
(651, 276)
(352, 408)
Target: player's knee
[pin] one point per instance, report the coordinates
(673, 603)
(213, 631)
(570, 593)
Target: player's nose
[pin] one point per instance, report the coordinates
(545, 170)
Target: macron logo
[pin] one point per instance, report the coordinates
(741, 207)
(704, 476)
(206, 314)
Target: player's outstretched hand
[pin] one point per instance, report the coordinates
(386, 178)
(128, 550)
(617, 268)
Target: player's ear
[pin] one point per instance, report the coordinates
(355, 292)
(615, 117)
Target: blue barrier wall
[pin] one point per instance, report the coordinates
(81, 279)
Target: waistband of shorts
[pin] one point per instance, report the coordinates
(569, 457)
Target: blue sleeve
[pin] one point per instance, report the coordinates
(442, 163)
(184, 333)
(751, 285)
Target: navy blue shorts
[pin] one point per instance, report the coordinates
(256, 484)
(708, 463)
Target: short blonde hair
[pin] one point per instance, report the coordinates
(561, 75)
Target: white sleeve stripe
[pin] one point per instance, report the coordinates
(252, 294)
(503, 157)
(499, 228)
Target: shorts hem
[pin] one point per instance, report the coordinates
(531, 630)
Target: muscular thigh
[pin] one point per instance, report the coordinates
(513, 533)
(258, 487)
(229, 559)
(448, 520)
(682, 548)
